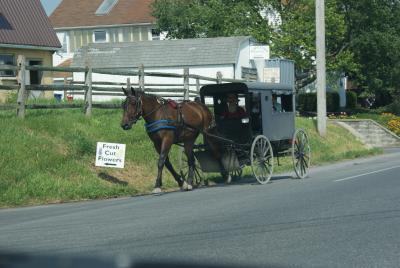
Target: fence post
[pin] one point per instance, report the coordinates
(186, 85)
(141, 77)
(65, 91)
(128, 84)
(219, 77)
(88, 93)
(22, 90)
(198, 85)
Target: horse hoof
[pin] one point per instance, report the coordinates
(229, 179)
(184, 186)
(189, 187)
(156, 191)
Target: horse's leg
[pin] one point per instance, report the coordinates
(217, 154)
(190, 156)
(163, 151)
(171, 169)
(169, 166)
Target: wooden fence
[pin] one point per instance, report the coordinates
(89, 88)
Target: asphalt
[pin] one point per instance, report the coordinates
(342, 215)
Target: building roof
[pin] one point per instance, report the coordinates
(164, 53)
(25, 23)
(81, 13)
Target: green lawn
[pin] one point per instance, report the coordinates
(49, 156)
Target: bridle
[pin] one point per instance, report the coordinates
(139, 108)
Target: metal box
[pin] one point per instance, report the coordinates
(282, 68)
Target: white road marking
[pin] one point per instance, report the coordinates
(369, 173)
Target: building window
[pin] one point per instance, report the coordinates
(7, 59)
(155, 35)
(100, 36)
(105, 7)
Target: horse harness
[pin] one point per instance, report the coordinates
(153, 127)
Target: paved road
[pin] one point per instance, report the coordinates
(343, 215)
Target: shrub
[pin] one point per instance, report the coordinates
(351, 99)
(307, 102)
(393, 108)
(332, 101)
(12, 97)
(394, 125)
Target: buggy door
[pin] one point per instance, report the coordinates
(277, 124)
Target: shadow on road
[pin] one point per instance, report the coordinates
(112, 179)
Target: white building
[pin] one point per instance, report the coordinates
(204, 56)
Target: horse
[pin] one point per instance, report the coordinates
(169, 123)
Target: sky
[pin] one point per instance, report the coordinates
(50, 5)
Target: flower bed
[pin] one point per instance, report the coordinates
(388, 120)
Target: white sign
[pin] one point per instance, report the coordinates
(259, 52)
(110, 155)
(272, 75)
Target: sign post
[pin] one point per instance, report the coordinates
(110, 155)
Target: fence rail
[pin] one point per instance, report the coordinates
(90, 88)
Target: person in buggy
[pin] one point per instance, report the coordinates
(233, 110)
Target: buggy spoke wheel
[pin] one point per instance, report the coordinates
(301, 153)
(198, 176)
(262, 159)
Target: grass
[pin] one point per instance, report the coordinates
(49, 156)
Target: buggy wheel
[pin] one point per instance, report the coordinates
(301, 153)
(236, 173)
(262, 159)
(198, 176)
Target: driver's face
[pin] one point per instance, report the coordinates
(232, 99)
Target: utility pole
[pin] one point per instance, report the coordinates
(321, 68)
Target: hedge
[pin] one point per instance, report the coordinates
(307, 102)
(394, 108)
(351, 99)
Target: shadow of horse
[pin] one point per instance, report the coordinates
(111, 179)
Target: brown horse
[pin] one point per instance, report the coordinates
(167, 125)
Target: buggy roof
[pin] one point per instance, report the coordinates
(213, 89)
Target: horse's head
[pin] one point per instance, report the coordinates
(132, 108)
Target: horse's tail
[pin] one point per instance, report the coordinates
(208, 118)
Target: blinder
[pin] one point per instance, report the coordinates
(137, 101)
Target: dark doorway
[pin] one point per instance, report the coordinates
(35, 77)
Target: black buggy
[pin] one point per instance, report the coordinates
(267, 130)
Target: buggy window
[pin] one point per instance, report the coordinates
(256, 112)
(282, 103)
(220, 106)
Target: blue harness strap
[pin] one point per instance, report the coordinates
(158, 125)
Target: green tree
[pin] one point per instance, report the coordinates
(293, 37)
(362, 36)
(374, 37)
(213, 18)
